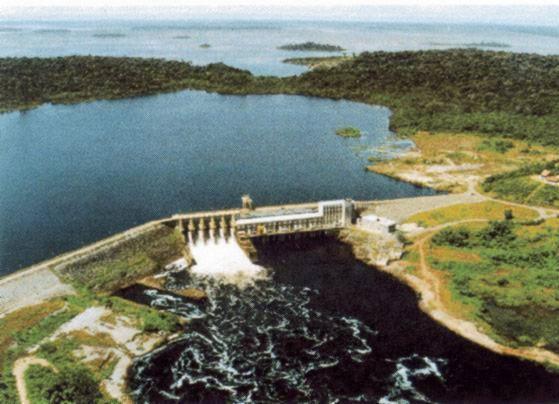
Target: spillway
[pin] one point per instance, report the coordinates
(223, 259)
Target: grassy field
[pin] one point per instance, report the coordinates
(126, 262)
(449, 161)
(32, 325)
(21, 329)
(489, 210)
(504, 275)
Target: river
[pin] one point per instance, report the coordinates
(323, 328)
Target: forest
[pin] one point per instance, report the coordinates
(458, 90)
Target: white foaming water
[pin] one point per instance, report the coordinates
(224, 260)
(409, 369)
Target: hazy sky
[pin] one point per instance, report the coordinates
(283, 3)
(483, 11)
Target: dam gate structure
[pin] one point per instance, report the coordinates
(250, 222)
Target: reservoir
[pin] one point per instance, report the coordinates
(71, 175)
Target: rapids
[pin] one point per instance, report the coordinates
(221, 258)
(321, 327)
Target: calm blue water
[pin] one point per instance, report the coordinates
(253, 44)
(74, 174)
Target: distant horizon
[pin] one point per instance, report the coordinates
(543, 15)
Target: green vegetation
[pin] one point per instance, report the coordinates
(147, 318)
(512, 285)
(489, 210)
(496, 145)
(37, 380)
(205, 46)
(326, 61)
(28, 82)
(521, 186)
(482, 44)
(348, 132)
(461, 90)
(22, 329)
(311, 46)
(27, 327)
(458, 90)
(73, 384)
(159, 321)
(124, 263)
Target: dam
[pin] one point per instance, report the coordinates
(249, 222)
(236, 227)
(219, 244)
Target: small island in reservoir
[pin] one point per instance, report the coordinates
(205, 46)
(311, 46)
(482, 44)
(109, 35)
(348, 132)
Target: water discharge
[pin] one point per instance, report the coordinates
(322, 327)
(222, 259)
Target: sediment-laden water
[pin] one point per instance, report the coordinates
(322, 328)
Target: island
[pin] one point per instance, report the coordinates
(482, 44)
(482, 258)
(311, 47)
(205, 46)
(109, 35)
(348, 131)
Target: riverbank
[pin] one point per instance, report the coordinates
(433, 293)
(452, 285)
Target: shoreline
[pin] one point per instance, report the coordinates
(427, 286)
(428, 301)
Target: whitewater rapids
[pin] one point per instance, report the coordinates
(224, 260)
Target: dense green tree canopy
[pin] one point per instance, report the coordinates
(468, 90)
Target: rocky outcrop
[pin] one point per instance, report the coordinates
(375, 249)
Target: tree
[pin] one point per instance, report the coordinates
(498, 233)
(459, 237)
(508, 214)
(73, 385)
